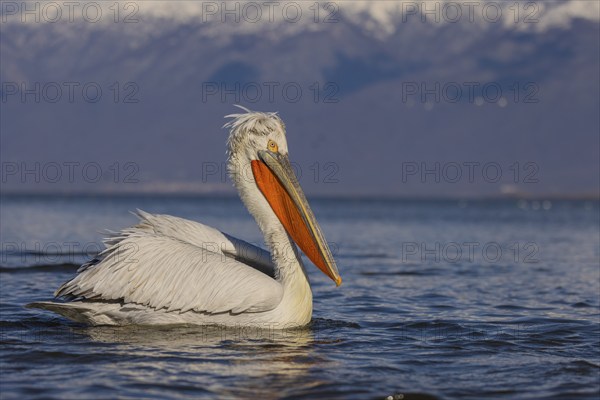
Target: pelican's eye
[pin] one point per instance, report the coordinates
(272, 146)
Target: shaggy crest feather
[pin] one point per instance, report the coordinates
(251, 122)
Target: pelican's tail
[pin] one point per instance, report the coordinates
(115, 313)
(77, 311)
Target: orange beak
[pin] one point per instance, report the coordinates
(276, 180)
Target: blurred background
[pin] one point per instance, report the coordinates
(450, 151)
(380, 98)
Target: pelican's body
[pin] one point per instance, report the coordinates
(168, 270)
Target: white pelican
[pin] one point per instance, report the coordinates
(168, 270)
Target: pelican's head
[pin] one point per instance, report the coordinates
(260, 168)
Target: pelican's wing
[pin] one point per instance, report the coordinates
(159, 271)
(208, 238)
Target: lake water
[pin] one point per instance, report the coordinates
(441, 299)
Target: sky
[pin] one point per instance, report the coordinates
(380, 98)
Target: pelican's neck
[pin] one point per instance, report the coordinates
(289, 269)
(284, 254)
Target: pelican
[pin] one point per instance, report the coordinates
(169, 270)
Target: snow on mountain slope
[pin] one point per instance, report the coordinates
(357, 70)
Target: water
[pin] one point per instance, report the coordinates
(441, 299)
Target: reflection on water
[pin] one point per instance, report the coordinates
(259, 362)
(177, 336)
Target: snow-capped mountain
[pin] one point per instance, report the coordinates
(368, 87)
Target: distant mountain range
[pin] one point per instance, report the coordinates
(376, 99)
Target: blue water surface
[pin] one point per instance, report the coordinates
(441, 299)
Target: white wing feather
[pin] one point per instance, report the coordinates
(208, 238)
(157, 264)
